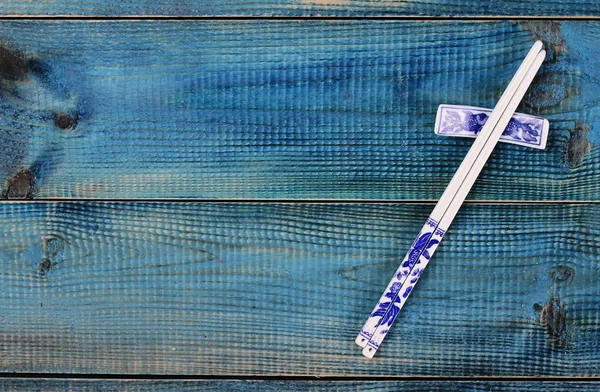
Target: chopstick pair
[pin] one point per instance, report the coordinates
(389, 305)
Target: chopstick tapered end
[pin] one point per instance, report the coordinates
(369, 352)
(361, 341)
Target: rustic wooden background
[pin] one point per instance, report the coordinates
(206, 195)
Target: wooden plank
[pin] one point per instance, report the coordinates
(58, 385)
(246, 289)
(285, 109)
(304, 8)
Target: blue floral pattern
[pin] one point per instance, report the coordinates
(468, 121)
(388, 307)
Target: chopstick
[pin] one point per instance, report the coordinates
(445, 222)
(442, 205)
(389, 305)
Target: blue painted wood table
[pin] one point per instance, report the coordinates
(203, 195)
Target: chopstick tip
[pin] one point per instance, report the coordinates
(369, 352)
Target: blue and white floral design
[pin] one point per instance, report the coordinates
(467, 121)
(389, 305)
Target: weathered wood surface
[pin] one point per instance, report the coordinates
(281, 289)
(285, 109)
(305, 8)
(81, 385)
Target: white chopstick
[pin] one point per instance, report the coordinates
(443, 214)
(446, 220)
(373, 322)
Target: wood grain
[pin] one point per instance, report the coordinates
(304, 8)
(285, 109)
(53, 385)
(281, 289)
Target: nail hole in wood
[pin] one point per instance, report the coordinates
(64, 121)
(45, 266)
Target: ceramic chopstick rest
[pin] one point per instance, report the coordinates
(467, 121)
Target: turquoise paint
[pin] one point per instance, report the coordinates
(210, 385)
(281, 109)
(140, 288)
(420, 8)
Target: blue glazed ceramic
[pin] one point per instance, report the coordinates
(467, 121)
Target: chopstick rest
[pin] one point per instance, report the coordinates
(389, 305)
(467, 121)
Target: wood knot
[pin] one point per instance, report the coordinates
(553, 318)
(545, 94)
(65, 121)
(13, 65)
(45, 266)
(20, 186)
(562, 274)
(53, 247)
(17, 68)
(578, 147)
(550, 33)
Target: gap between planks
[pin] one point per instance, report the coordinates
(86, 376)
(299, 201)
(299, 18)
